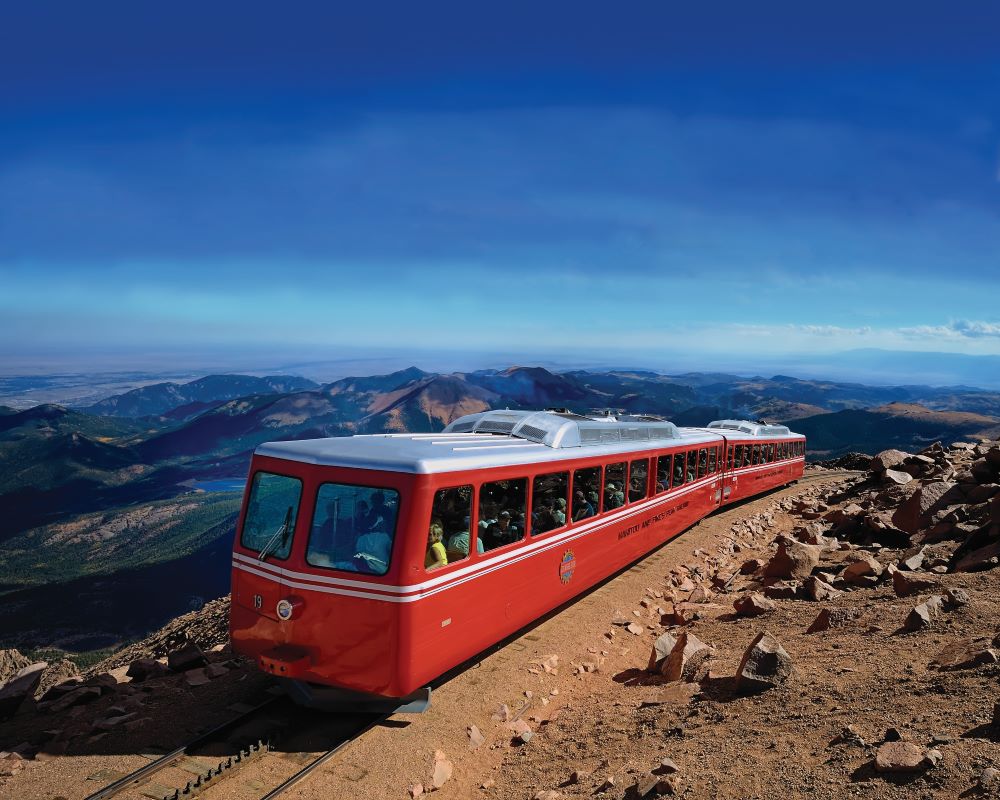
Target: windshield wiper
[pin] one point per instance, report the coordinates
(282, 532)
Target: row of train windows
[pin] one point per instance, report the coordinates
(354, 527)
(746, 455)
(504, 517)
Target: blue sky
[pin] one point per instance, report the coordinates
(565, 179)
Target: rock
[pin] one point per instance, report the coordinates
(965, 654)
(700, 595)
(687, 656)
(187, 657)
(751, 566)
(550, 664)
(416, 790)
(895, 476)
(783, 590)
(216, 670)
(196, 677)
(919, 618)
(144, 668)
(108, 723)
(442, 770)
(661, 649)
(20, 687)
(753, 605)
(667, 767)
(476, 738)
(608, 784)
(957, 597)
(58, 673)
(914, 512)
(888, 459)
(578, 776)
(906, 584)
(79, 696)
(547, 794)
(989, 778)
(635, 629)
(793, 560)
(670, 785)
(833, 618)
(819, 590)
(11, 662)
(502, 714)
(861, 568)
(913, 559)
(765, 664)
(899, 757)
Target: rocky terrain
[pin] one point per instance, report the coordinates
(839, 637)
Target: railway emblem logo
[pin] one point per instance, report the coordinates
(567, 566)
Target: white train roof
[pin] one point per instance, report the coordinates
(751, 428)
(518, 438)
(451, 452)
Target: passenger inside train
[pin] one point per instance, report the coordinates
(436, 556)
(353, 528)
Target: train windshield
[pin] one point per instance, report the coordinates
(353, 528)
(271, 513)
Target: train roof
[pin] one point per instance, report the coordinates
(494, 439)
(751, 428)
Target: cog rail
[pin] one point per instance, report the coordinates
(248, 748)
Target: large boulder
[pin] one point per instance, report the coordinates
(888, 459)
(793, 560)
(914, 513)
(20, 688)
(765, 664)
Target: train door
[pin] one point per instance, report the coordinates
(729, 477)
(716, 461)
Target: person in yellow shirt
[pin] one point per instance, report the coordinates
(437, 556)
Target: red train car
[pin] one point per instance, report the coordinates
(365, 567)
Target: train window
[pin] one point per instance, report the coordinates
(638, 480)
(614, 486)
(548, 502)
(586, 493)
(784, 450)
(271, 512)
(712, 455)
(501, 512)
(663, 470)
(353, 528)
(692, 465)
(738, 456)
(756, 454)
(679, 472)
(452, 510)
(772, 452)
(729, 456)
(702, 462)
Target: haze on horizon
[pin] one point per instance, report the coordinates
(240, 184)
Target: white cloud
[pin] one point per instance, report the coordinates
(959, 329)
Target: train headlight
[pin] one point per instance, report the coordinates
(289, 607)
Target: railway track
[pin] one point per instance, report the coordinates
(298, 740)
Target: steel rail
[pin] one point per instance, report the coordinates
(322, 759)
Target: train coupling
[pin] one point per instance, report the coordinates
(285, 661)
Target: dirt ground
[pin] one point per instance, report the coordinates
(601, 716)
